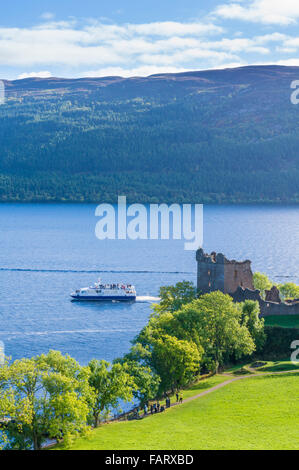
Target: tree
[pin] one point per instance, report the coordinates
(45, 396)
(262, 283)
(214, 322)
(147, 382)
(159, 336)
(289, 290)
(256, 325)
(109, 384)
(174, 297)
(176, 361)
(138, 364)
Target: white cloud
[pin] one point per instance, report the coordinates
(239, 45)
(42, 74)
(141, 71)
(146, 70)
(279, 12)
(286, 50)
(95, 48)
(291, 42)
(289, 62)
(270, 38)
(47, 15)
(188, 56)
(173, 28)
(70, 44)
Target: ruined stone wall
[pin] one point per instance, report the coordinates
(246, 294)
(267, 308)
(216, 272)
(237, 274)
(274, 308)
(210, 272)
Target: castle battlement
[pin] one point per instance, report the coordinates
(214, 257)
(216, 272)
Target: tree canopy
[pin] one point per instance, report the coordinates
(288, 290)
(262, 282)
(52, 396)
(45, 396)
(109, 384)
(213, 324)
(172, 298)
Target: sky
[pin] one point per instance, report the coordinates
(95, 38)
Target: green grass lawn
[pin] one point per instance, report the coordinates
(201, 386)
(286, 321)
(268, 366)
(277, 366)
(195, 389)
(260, 412)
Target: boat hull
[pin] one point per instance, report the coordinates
(103, 298)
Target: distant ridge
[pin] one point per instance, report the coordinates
(229, 76)
(227, 135)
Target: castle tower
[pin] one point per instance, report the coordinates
(215, 272)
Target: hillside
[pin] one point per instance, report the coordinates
(211, 136)
(255, 413)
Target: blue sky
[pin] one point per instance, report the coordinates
(73, 38)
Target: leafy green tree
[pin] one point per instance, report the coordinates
(45, 396)
(140, 351)
(158, 325)
(147, 382)
(256, 325)
(289, 290)
(174, 297)
(214, 322)
(176, 361)
(262, 283)
(137, 363)
(110, 384)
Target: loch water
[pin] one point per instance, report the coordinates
(47, 250)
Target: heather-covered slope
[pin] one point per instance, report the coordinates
(212, 136)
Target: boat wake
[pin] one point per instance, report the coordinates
(29, 270)
(147, 298)
(65, 332)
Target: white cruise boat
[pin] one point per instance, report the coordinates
(100, 292)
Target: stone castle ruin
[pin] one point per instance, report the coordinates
(216, 272)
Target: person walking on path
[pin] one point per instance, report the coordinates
(181, 399)
(177, 396)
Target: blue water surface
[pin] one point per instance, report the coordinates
(46, 251)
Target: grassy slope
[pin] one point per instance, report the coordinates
(200, 386)
(268, 366)
(278, 366)
(286, 321)
(254, 413)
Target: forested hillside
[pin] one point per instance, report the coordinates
(215, 136)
